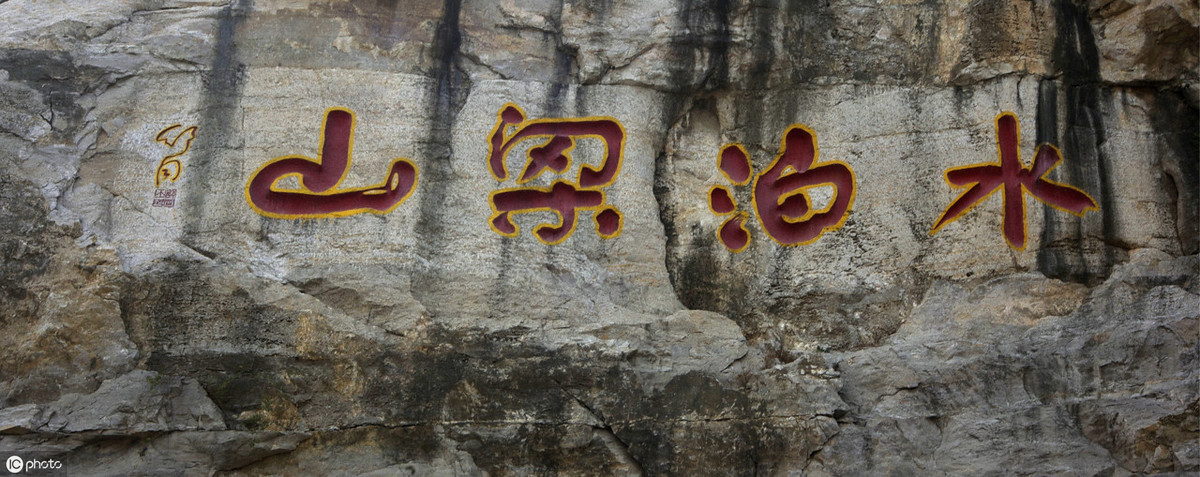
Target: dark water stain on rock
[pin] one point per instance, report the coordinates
(500, 293)
(387, 28)
(378, 24)
(25, 251)
(220, 102)
(702, 283)
(762, 47)
(699, 279)
(39, 69)
(694, 411)
(928, 22)
(247, 354)
(581, 102)
(1048, 133)
(1086, 166)
(446, 44)
(754, 113)
(705, 33)
(451, 87)
(962, 98)
(813, 47)
(1047, 111)
(179, 320)
(560, 84)
(60, 81)
(398, 446)
(564, 66)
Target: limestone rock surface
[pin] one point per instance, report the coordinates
(174, 327)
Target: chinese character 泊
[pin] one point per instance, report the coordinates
(781, 192)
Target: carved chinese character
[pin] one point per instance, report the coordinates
(319, 194)
(981, 180)
(781, 192)
(565, 197)
(169, 167)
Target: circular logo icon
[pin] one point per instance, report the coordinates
(15, 464)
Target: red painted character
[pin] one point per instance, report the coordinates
(564, 197)
(780, 192)
(319, 194)
(1010, 174)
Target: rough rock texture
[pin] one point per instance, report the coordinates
(206, 338)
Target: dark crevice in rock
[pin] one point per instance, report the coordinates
(697, 276)
(676, 108)
(1178, 126)
(619, 447)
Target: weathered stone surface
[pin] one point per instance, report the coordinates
(140, 401)
(206, 338)
(1053, 382)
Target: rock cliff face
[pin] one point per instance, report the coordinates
(171, 307)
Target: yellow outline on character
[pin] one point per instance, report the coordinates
(172, 159)
(816, 158)
(331, 201)
(516, 128)
(970, 185)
